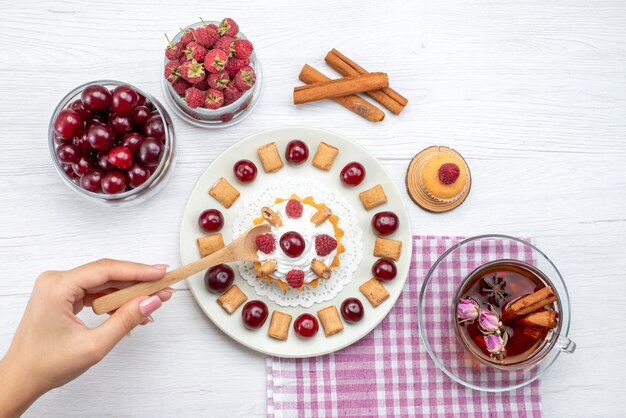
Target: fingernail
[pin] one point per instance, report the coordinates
(149, 305)
(161, 266)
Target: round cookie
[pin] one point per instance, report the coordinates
(434, 187)
(417, 190)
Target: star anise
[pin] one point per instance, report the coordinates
(493, 289)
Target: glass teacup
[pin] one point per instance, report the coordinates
(464, 362)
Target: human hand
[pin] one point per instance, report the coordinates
(52, 346)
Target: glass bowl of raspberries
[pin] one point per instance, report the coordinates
(112, 143)
(212, 76)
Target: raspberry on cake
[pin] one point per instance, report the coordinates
(303, 244)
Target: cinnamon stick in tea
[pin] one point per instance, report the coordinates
(339, 88)
(386, 96)
(351, 102)
(539, 319)
(529, 303)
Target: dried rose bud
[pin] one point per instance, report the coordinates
(494, 343)
(489, 322)
(467, 310)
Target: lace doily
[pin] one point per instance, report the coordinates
(348, 260)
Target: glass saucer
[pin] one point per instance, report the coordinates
(437, 322)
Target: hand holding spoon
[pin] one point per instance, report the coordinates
(241, 249)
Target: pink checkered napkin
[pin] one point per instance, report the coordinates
(388, 372)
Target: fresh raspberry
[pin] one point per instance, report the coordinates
(171, 71)
(194, 51)
(214, 99)
(295, 278)
(192, 71)
(215, 60)
(225, 43)
(325, 244)
(227, 117)
(242, 48)
(228, 27)
(173, 51)
(231, 94)
(266, 243)
(202, 85)
(448, 173)
(180, 86)
(194, 97)
(294, 208)
(213, 26)
(234, 65)
(205, 36)
(218, 80)
(245, 78)
(187, 36)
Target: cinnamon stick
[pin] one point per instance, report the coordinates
(387, 96)
(351, 102)
(529, 303)
(339, 88)
(539, 319)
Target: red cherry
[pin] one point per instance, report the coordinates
(352, 310)
(123, 99)
(219, 278)
(92, 180)
(113, 182)
(245, 171)
(121, 124)
(137, 175)
(121, 157)
(352, 174)
(140, 116)
(385, 223)
(306, 325)
(211, 220)
(132, 141)
(96, 97)
(150, 152)
(84, 164)
(68, 153)
(296, 152)
(154, 127)
(69, 171)
(101, 137)
(82, 143)
(79, 107)
(254, 314)
(103, 161)
(292, 244)
(384, 269)
(68, 124)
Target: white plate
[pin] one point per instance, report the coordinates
(349, 151)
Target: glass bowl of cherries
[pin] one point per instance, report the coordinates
(112, 143)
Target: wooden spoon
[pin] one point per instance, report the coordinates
(241, 249)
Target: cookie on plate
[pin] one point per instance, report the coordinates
(232, 299)
(270, 158)
(325, 156)
(373, 197)
(224, 192)
(279, 325)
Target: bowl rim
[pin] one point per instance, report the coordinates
(420, 314)
(169, 142)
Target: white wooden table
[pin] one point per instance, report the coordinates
(532, 93)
